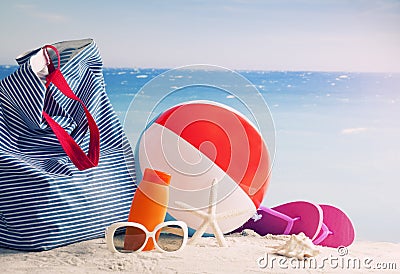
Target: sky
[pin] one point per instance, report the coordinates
(312, 35)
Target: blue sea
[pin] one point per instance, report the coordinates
(334, 135)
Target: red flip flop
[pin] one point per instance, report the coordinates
(337, 229)
(289, 218)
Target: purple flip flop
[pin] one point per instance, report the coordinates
(289, 218)
(337, 229)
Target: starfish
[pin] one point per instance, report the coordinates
(211, 217)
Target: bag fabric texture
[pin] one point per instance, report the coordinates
(45, 200)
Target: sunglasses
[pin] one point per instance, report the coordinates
(128, 237)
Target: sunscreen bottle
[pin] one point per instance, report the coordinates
(149, 205)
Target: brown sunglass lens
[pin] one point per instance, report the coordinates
(170, 238)
(129, 239)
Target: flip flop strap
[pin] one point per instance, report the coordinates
(290, 221)
(325, 233)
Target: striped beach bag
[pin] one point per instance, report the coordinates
(66, 167)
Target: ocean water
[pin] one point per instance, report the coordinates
(335, 140)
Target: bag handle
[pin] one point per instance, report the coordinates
(71, 148)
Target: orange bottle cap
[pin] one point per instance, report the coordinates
(156, 176)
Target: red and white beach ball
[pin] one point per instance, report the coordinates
(197, 142)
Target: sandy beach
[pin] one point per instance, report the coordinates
(249, 253)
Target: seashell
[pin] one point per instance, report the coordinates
(298, 246)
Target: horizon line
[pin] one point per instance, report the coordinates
(238, 70)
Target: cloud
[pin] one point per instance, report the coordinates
(25, 6)
(32, 10)
(51, 17)
(355, 130)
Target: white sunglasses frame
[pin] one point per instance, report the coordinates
(109, 234)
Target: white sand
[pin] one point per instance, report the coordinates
(206, 257)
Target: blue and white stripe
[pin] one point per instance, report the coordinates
(45, 201)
